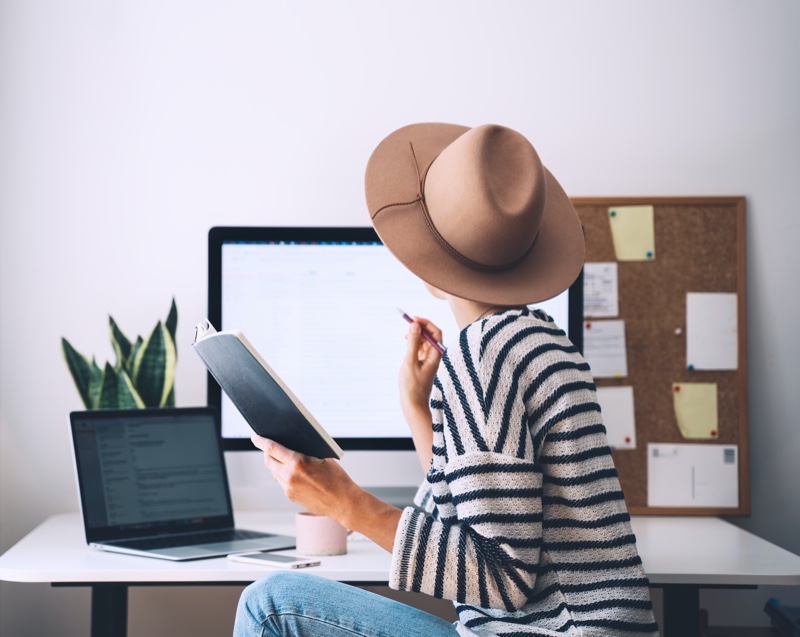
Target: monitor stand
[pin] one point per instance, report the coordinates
(400, 497)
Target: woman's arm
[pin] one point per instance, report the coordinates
(416, 382)
(323, 487)
(482, 546)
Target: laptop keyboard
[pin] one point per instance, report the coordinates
(210, 537)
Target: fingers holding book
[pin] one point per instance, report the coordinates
(318, 485)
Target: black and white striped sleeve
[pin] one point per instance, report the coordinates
(486, 553)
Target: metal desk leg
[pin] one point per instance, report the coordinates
(109, 610)
(681, 611)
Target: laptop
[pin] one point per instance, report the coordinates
(152, 482)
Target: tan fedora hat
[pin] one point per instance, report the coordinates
(473, 212)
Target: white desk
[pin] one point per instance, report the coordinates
(680, 555)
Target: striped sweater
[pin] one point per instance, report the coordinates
(521, 518)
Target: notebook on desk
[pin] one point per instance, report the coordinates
(152, 482)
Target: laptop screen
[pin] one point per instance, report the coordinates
(145, 472)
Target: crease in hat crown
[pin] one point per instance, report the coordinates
(485, 194)
(474, 212)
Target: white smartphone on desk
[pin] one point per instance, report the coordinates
(271, 559)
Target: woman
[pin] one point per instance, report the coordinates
(521, 519)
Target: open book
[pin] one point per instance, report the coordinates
(265, 401)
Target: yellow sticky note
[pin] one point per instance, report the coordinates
(696, 409)
(633, 232)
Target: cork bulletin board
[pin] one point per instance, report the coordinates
(699, 248)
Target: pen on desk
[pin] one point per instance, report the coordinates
(425, 334)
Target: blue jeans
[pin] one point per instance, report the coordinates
(290, 604)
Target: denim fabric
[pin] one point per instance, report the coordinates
(288, 604)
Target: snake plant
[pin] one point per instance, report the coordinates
(143, 375)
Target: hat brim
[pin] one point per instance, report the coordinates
(392, 187)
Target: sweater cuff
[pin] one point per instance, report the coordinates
(404, 550)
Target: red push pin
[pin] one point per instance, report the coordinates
(714, 433)
(588, 326)
(677, 387)
(627, 439)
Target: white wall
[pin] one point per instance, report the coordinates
(127, 129)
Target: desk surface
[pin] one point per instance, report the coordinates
(703, 551)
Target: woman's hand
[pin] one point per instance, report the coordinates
(416, 382)
(323, 487)
(319, 486)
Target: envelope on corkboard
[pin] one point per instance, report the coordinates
(692, 475)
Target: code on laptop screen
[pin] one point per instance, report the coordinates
(139, 473)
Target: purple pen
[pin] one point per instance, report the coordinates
(425, 335)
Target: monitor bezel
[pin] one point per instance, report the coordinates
(220, 235)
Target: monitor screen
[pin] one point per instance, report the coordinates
(321, 307)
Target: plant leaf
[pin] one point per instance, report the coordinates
(81, 371)
(120, 343)
(127, 396)
(108, 398)
(132, 356)
(172, 324)
(154, 367)
(95, 384)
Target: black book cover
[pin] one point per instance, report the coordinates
(263, 399)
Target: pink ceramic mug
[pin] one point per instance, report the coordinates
(319, 535)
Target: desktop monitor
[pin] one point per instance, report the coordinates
(321, 307)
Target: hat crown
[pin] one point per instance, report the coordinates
(480, 217)
(485, 194)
